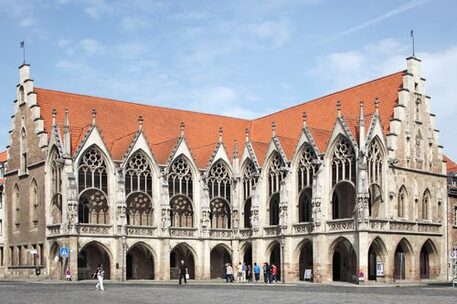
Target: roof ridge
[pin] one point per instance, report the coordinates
(143, 104)
(330, 94)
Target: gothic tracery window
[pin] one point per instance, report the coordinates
(93, 188)
(92, 171)
(181, 212)
(343, 162)
(180, 187)
(306, 171)
(275, 176)
(138, 190)
(375, 160)
(180, 178)
(220, 214)
(250, 178)
(56, 188)
(219, 185)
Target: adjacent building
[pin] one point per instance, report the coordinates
(452, 193)
(2, 182)
(353, 182)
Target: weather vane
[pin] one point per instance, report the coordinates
(22, 45)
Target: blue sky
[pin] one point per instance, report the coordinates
(241, 58)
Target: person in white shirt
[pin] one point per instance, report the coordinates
(239, 273)
(100, 273)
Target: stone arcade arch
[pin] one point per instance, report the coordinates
(305, 260)
(56, 268)
(180, 252)
(275, 257)
(140, 263)
(89, 257)
(377, 255)
(219, 257)
(343, 200)
(403, 260)
(429, 266)
(344, 260)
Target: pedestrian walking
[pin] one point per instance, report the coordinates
(249, 274)
(183, 272)
(228, 273)
(256, 272)
(99, 274)
(239, 273)
(266, 273)
(243, 272)
(68, 274)
(274, 273)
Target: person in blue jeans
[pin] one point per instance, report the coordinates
(256, 272)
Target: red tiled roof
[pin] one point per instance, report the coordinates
(118, 121)
(3, 157)
(451, 167)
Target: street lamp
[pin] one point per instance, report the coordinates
(124, 245)
(283, 273)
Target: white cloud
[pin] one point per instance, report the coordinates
(26, 22)
(271, 32)
(91, 46)
(345, 69)
(131, 24)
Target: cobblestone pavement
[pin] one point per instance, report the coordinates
(84, 292)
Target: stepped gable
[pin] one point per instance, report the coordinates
(118, 121)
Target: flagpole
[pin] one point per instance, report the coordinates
(23, 54)
(414, 55)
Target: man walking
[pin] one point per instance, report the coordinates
(256, 272)
(100, 273)
(229, 273)
(243, 272)
(183, 272)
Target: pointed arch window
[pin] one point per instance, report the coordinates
(250, 178)
(425, 205)
(16, 207)
(219, 181)
(92, 171)
(219, 185)
(138, 175)
(138, 190)
(307, 168)
(375, 163)
(275, 176)
(23, 149)
(402, 199)
(180, 178)
(418, 113)
(343, 162)
(419, 145)
(34, 204)
(56, 188)
(21, 95)
(180, 188)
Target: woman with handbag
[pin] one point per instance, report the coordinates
(183, 273)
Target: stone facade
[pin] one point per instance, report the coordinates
(2, 173)
(372, 199)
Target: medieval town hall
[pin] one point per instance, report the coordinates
(347, 183)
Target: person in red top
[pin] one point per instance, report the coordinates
(274, 273)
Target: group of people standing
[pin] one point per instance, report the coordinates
(243, 273)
